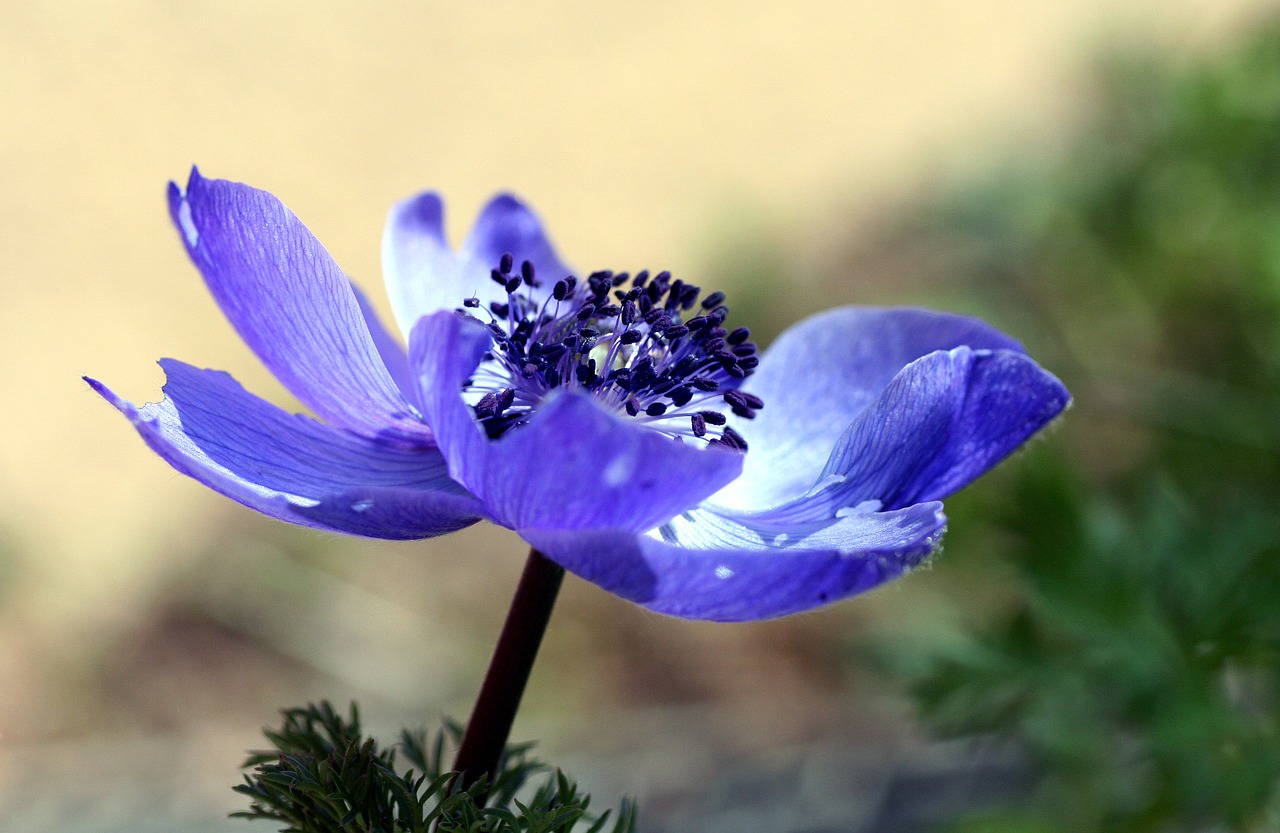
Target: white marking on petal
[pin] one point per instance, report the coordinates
(618, 471)
(362, 505)
(188, 225)
(864, 508)
(723, 572)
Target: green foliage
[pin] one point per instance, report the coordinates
(1138, 660)
(323, 776)
(1140, 665)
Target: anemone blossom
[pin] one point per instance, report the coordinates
(618, 423)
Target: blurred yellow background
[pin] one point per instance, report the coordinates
(647, 135)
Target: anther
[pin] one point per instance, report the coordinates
(505, 263)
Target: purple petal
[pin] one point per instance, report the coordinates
(942, 422)
(389, 348)
(292, 305)
(574, 466)
(819, 375)
(508, 225)
(710, 566)
(424, 275)
(292, 467)
(422, 272)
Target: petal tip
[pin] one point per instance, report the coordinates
(422, 213)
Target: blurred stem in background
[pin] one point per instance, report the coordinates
(1137, 665)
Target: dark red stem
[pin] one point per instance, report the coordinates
(504, 683)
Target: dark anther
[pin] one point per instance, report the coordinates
(749, 363)
(553, 377)
(586, 312)
(689, 296)
(620, 278)
(560, 290)
(712, 417)
(586, 373)
(686, 366)
(630, 337)
(641, 278)
(499, 310)
(715, 299)
(740, 403)
(699, 425)
(680, 396)
(505, 263)
(512, 284)
(656, 409)
(738, 336)
(589, 332)
(632, 406)
(471, 303)
(702, 383)
(677, 331)
(662, 385)
(497, 277)
(735, 438)
(505, 399)
(485, 408)
(527, 273)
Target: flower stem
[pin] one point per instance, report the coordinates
(495, 709)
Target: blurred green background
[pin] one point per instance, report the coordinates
(1097, 647)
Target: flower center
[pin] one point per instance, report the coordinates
(645, 346)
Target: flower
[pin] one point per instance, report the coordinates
(615, 422)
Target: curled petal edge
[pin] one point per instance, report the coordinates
(719, 568)
(331, 479)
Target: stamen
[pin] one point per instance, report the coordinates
(631, 346)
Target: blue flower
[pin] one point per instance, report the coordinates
(616, 422)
